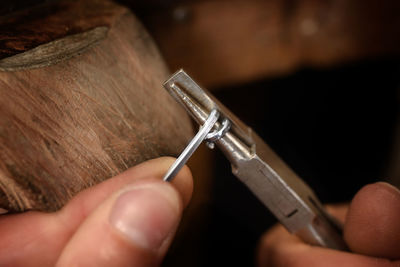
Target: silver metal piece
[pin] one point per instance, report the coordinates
(217, 134)
(192, 146)
(253, 162)
(210, 145)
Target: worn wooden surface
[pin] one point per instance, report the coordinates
(225, 42)
(236, 41)
(40, 24)
(72, 121)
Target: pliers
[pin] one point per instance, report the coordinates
(254, 163)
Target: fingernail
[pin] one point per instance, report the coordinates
(390, 189)
(389, 186)
(146, 215)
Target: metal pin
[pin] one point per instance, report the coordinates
(192, 146)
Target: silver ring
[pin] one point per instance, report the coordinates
(219, 133)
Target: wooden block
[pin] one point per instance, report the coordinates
(81, 100)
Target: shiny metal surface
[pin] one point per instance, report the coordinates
(292, 202)
(192, 146)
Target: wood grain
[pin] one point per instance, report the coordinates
(87, 117)
(40, 24)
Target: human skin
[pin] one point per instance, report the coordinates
(128, 220)
(371, 230)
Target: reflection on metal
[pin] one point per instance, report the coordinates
(292, 202)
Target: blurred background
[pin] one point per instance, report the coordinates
(317, 79)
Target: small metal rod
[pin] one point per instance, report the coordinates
(192, 146)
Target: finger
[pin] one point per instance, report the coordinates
(133, 227)
(88, 199)
(279, 248)
(338, 211)
(372, 223)
(30, 239)
(40, 237)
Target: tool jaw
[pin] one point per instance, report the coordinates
(292, 202)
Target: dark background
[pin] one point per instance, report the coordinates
(335, 127)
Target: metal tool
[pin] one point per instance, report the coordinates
(292, 202)
(192, 146)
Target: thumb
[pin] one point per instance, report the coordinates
(134, 227)
(372, 224)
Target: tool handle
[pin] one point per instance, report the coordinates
(324, 231)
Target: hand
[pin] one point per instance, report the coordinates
(371, 230)
(128, 220)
